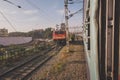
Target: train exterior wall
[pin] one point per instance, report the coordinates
(94, 40)
(102, 47)
(92, 54)
(119, 53)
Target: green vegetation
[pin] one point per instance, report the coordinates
(73, 37)
(15, 51)
(40, 33)
(58, 67)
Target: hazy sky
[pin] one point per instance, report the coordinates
(39, 14)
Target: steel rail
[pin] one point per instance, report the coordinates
(30, 66)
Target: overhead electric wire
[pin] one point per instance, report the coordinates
(10, 23)
(44, 13)
(72, 2)
(75, 13)
(33, 5)
(12, 3)
(7, 20)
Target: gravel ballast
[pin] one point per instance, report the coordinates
(65, 66)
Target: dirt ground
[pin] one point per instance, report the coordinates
(65, 66)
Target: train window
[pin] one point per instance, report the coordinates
(88, 34)
(59, 32)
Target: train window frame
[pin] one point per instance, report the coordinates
(59, 32)
(88, 33)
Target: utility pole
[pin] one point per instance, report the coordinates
(66, 24)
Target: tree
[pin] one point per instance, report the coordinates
(48, 33)
(16, 34)
(36, 34)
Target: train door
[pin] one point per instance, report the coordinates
(119, 54)
(109, 39)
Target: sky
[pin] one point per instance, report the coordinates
(36, 14)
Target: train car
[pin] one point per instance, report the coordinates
(102, 38)
(59, 37)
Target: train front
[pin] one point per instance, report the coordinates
(59, 37)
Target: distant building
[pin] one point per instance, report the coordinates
(3, 32)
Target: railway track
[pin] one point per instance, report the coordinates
(27, 69)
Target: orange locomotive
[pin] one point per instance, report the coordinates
(59, 37)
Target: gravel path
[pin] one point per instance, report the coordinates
(65, 66)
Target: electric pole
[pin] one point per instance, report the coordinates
(66, 24)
